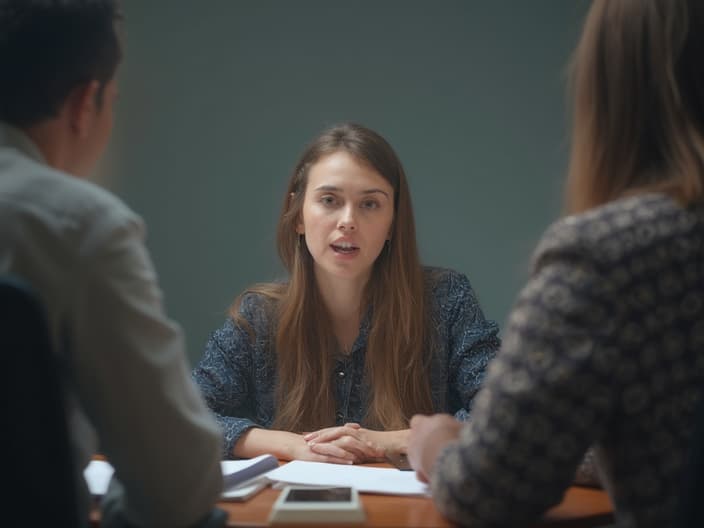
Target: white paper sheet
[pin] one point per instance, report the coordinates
(389, 481)
(366, 479)
(98, 474)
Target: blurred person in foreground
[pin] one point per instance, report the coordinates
(127, 383)
(605, 344)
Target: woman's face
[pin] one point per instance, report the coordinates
(348, 210)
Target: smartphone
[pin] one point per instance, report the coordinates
(319, 495)
(305, 505)
(399, 461)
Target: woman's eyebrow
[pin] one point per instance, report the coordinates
(372, 191)
(328, 188)
(333, 188)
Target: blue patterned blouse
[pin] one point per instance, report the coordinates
(237, 376)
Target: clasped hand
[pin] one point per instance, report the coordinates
(347, 444)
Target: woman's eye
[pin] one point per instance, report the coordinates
(328, 200)
(370, 204)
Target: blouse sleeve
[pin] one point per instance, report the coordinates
(472, 344)
(546, 399)
(224, 375)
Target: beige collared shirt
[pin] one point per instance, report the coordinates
(133, 398)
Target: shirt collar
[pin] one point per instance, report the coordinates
(13, 137)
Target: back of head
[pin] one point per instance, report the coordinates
(47, 48)
(638, 120)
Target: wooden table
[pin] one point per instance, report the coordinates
(581, 507)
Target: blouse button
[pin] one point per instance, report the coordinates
(339, 416)
(341, 374)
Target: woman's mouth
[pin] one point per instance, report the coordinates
(344, 248)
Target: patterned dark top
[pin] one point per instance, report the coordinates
(238, 378)
(604, 347)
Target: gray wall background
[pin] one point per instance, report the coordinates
(219, 98)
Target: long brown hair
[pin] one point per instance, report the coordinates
(638, 116)
(396, 363)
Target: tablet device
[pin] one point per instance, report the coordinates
(298, 504)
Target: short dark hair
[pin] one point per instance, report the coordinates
(47, 48)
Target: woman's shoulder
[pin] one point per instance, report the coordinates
(611, 218)
(445, 285)
(451, 298)
(437, 276)
(254, 310)
(613, 231)
(259, 301)
(254, 300)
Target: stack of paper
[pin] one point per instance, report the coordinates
(389, 481)
(243, 478)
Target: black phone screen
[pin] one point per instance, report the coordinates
(319, 495)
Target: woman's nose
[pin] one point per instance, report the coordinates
(347, 221)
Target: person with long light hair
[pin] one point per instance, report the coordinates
(605, 344)
(331, 363)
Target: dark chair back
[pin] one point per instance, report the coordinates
(690, 511)
(37, 460)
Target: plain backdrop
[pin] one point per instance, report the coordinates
(218, 99)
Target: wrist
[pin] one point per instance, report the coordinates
(393, 441)
(290, 445)
(283, 445)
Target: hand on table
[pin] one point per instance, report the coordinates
(348, 442)
(429, 435)
(285, 445)
(333, 455)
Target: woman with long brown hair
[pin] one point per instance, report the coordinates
(330, 364)
(605, 345)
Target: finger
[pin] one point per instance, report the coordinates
(315, 457)
(330, 435)
(420, 475)
(353, 446)
(375, 450)
(313, 434)
(327, 430)
(417, 420)
(366, 451)
(362, 450)
(334, 451)
(354, 425)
